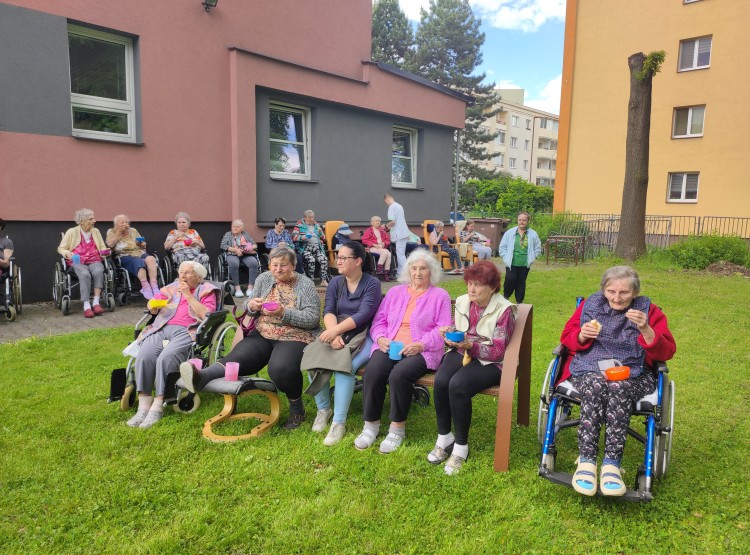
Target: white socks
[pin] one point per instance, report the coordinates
(443, 441)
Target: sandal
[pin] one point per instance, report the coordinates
(584, 480)
(453, 464)
(439, 454)
(294, 421)
(365, 440)
(391, 443)
(611, 481)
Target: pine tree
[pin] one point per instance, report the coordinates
(392, 37)
(448, 48)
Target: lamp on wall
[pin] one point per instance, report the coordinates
(208, 4)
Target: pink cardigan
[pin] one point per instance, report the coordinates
(433, 310)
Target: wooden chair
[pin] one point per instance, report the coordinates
(443, 258)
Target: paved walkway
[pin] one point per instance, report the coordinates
(43, 319)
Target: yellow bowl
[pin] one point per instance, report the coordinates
(157, 303)
(617, 373)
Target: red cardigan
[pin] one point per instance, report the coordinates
(369, 240)
(661, 349)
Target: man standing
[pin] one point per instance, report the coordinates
(519, 247)
(399, 229)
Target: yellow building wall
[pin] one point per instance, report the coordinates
(606, 33)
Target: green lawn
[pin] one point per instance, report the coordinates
(74, 478)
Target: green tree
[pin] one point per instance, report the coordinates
(448, 49)
(520, 195)
(392, 36)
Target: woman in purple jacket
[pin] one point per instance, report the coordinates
(410, 316)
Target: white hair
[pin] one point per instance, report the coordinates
(182, 215)
(307, 213)
(197, 267)
(238, 222)
(120, 217)
(421, 255)
(83, 214)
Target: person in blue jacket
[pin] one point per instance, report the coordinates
(519, 247)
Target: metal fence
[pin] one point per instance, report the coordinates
(601, 230)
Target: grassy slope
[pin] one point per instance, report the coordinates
(73, 478)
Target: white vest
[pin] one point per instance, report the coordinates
(487, 323)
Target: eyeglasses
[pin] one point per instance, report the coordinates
(343, 258)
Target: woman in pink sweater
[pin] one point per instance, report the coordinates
(407, 345)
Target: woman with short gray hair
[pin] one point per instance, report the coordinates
(240, 249)
(309, 239)
(82, 247)
(184, 243)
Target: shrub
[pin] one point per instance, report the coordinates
(699, 252)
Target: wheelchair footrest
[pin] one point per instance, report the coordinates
(565, 479)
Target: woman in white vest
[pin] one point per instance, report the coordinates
(472, 364)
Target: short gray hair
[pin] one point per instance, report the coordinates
(182, 215)
(83, 214)
(283, 252)
(238, 222)
(439, 224)
(421, 255)
(307, 213)
(198, 268)
(622, 272)
(120, 217)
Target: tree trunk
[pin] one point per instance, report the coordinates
(631, 241)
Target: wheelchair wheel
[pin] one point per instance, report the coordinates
(65, 305)
(17, 293)
(110, 302)
(663, 441)
(219, 270)
(541, 420)
(421, 396)
(57, 286)
(122, 299)
(187, 403)
(10, 313)
(264, 262)
(221, 342)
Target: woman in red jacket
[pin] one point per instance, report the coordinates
(376, 239)
(613, 327)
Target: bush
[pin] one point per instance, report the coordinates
(699, 252)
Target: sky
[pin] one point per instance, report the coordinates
(523, 46)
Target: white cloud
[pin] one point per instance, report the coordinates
(522, 15)
(505, 84)
(548, 98)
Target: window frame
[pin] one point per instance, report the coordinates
(101, 104)
(500, 138)
(498, 159)
(688, 134)
(414, 138)
(514, 142)
(306, 114)
(696, 41)
(682, 199)
(514, 121)
(512, 163)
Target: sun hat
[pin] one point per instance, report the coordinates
(344, 230)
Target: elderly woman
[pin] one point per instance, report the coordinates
(279, 236)
(613, 326)
(287, 311)
(438, 239)
(473, 364)
(479, 243)
(377, 239)
(185, 243)
(6, 250)
(407, 345)
(126, 242)
(310, 240)
(352, 298)
(240, 249)
(189, 300)
(81, 247)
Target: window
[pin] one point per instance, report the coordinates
(403, 157)
(528, 124)
(688, 122)
(497, 159)
(514, 121)
(513, 142)
(526, 144)
(289, 128)
(101, 85)
(683, 187)
(512, 163)
(695, 54)
(525, 164)
(553, 145)
(500, 139)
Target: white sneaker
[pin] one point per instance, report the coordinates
(238, 293)
(391, 443)
(321, 420)
(249, 292)
(335, 434)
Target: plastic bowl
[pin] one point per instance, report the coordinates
(157, 303)
(105, 252)
(455, 336)
(617, 373)
(187, 242)
(270, 306)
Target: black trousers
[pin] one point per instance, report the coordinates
(515, 282)
(400, 376)
(455, 386)
(255, 352)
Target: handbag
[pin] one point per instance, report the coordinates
(246, 321)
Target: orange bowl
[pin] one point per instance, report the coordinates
(617, 373)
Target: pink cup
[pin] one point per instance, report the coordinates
(188, 242)
(198, 363)
(270, 306)
(232, 371)
(105, 252)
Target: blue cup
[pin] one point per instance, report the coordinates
(140, 239)
(394, 350)
(455, 336)
(76, 259)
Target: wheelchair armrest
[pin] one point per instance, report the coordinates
(560, 350)
(661, 366)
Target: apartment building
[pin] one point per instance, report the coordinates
(526, 144)
(699, 106)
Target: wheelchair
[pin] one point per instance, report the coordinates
(213, 340)
(125, 281)
(65, 281)
(11, 299)
(558, 400)
(221, 266)
(168, 268)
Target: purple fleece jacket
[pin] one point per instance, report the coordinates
(433, 310)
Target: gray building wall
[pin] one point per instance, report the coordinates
(351, 167)
(34, 72)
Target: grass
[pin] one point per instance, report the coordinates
(74, 479)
